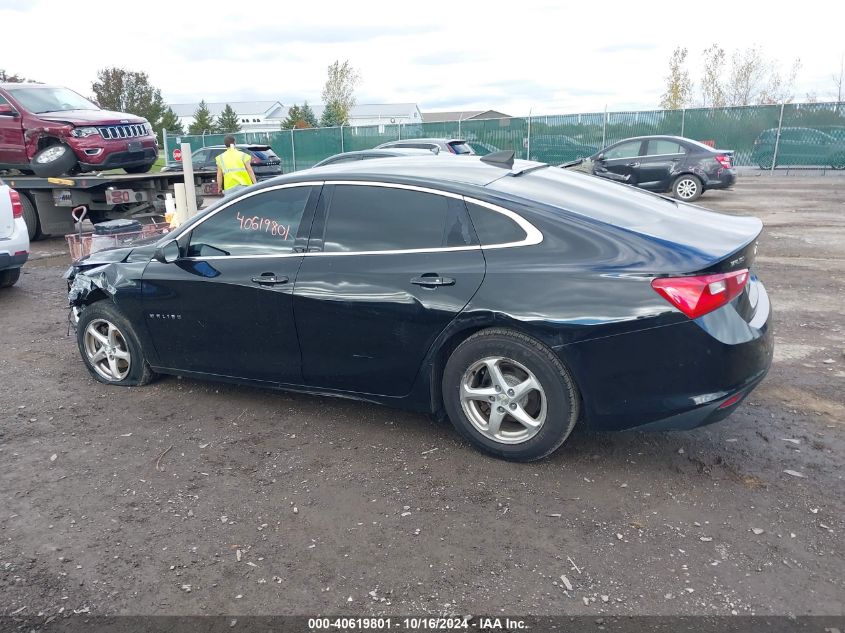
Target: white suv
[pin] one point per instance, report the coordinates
(14, 239)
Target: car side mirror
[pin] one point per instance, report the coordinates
(599, 157)
(167, 253)
(7, 110)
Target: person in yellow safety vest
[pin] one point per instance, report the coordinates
(234, 171)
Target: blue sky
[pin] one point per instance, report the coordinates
(547, 57)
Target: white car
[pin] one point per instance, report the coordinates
(14, 238)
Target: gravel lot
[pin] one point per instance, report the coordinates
(188, 497)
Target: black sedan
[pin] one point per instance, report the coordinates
(684, 167)
(516, 298)
(369, 154)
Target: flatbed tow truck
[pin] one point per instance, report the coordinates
(48, 202)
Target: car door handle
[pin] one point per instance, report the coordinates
(632, 165)
(433, 280)
(269, 280)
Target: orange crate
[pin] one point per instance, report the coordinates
(80, 244)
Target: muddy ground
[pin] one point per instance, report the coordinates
(188, 497)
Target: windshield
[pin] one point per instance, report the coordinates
(40, 100)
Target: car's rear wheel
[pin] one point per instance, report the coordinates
(837, 161)
(687, 188)
(509, 395)
(54, 160)
(9, 277)
(764, 161)
(109, 346)
(139, 169)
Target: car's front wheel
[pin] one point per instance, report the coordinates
(509, 395)
(687, 188)
(110, 347)
(54, 160)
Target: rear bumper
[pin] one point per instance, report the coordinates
(675, 376)
(9, 260)
(726, 178)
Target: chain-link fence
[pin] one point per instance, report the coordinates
(769, 136)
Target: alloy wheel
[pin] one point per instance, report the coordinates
(686, 188)
(107, 350)
(50, 154)
(503, 400)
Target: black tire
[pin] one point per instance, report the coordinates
(139, 169)
(764, 161)
(687, 188)
(30, 217)
(54, 160)
(138, 371)
(562, 404)
(9, 277)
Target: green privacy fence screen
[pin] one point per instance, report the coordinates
(768, 136)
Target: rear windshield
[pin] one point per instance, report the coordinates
(628, 208)
(41, 100)
(460, 147)
(264, 153)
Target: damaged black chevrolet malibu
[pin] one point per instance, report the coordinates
(515, 298)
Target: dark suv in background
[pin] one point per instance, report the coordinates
(265, 163)
(51, 131)
(682, 166)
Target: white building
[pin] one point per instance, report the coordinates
(267, 116)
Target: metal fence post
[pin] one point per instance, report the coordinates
(292, 149)
(341, 139)
(528, 144)
(164, 144)
(604, 128)
(461, 116)
(777, 139)
(399, 127)
(683, 119)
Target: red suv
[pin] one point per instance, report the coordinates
(50, 131)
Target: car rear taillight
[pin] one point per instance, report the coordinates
(696, 296)
(256, 161)
(17, 207)
(724, 160)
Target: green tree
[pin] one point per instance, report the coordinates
(339, 93)
(712, 92)
(171, 122)
(203, 121)
(308, 115)
(678, 83)
(300, 117)
(294, 118)
(333, 115)
(228, 121)
(129, 91)
(12, 79)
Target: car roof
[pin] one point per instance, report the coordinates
(437, 171)
(427, 140)
(254, 146)
(386, 152)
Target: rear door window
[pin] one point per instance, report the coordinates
(365, 218)
(493, 227)
(659, 147)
